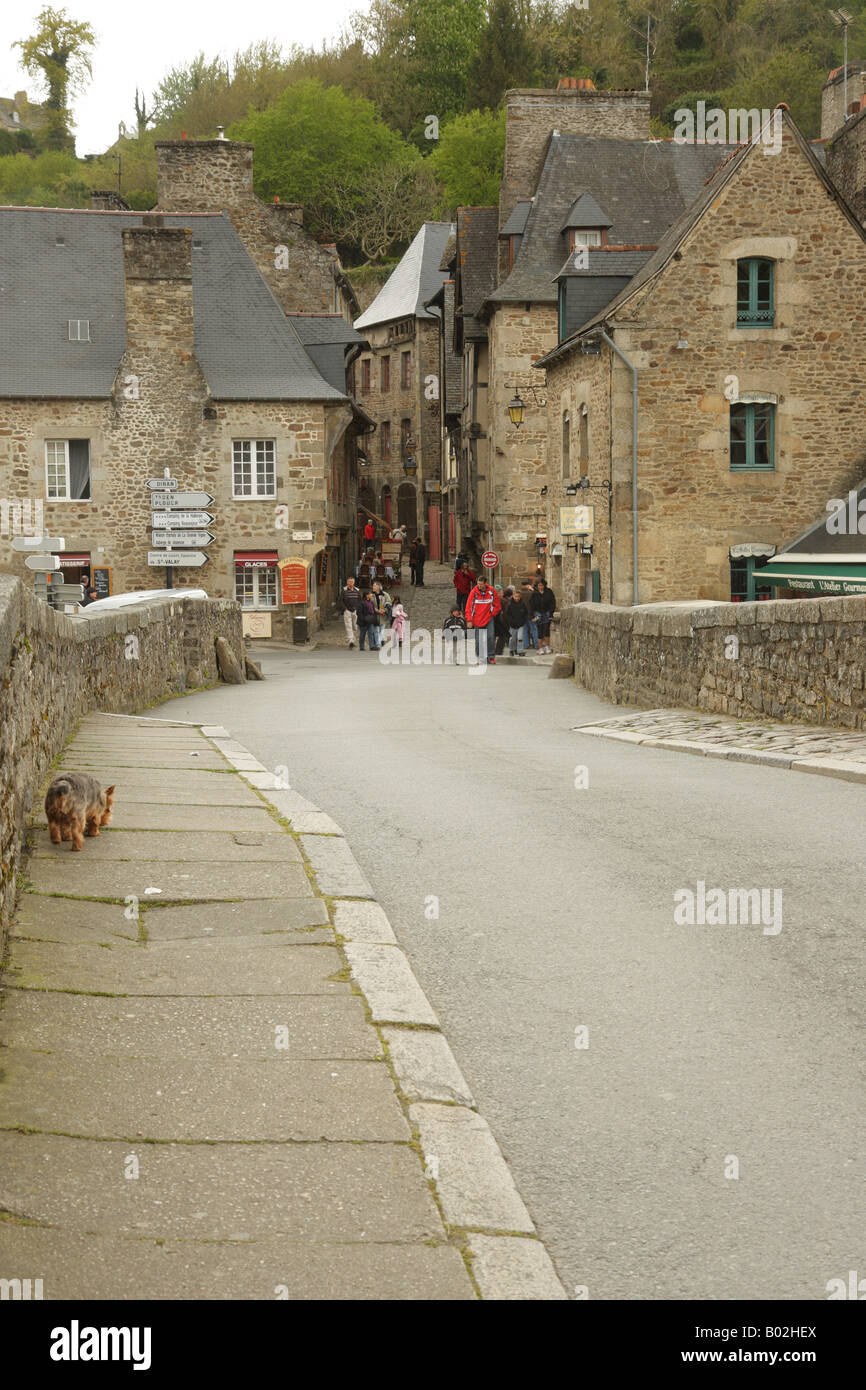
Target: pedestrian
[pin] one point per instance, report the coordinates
(544, 607)
(382, 600)
(368, 622)
(531, 638)
(463, 580)
(413, 562)
(500, 628)
(90, 596)
(482, 606)
(399, 621)
(517, 616)
(462, 559)
(369, 534)
(420, 557)
(348, 604)
(455, 629)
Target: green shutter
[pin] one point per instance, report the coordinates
(753, 437)
(755, 308)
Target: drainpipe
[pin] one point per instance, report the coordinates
(633, 369)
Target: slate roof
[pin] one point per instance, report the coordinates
(477, 265)
(679, 229)
(641, 184)
(516, 224)
(817, 540)
(245, 346)
(325, 338)
(585, 212)
(607, 260)
(413, 281)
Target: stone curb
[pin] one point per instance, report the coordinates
(475, 1186)
(825, 767)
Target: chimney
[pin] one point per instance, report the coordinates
(157, 266)
(575, 107)
(203, 175)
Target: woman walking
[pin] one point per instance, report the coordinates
(368, 622)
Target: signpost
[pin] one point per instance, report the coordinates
(42, 563)
(177, 559)
(40, 543)
(490, 559)
(177, 519)
(169, 539)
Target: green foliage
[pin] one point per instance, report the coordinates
(468, 159)
(59, 53)
(54, 178)
(13, 141)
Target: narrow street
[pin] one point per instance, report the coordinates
(700, 1140)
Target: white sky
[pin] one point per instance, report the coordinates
(139, 40)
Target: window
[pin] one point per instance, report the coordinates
(752, 437)
(405, 370)
(583, 441)
(256, 585)
(566, 444)
(365, 376)
(385, 435)
(386, 374)
(513, 248)
(253, 463)
(583, 236)
(755, 293)
(79, 330)
(67, 469)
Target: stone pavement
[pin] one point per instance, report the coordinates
(220, 1077)
(827, 752)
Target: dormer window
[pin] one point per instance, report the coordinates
(79, 330)
(585, 236)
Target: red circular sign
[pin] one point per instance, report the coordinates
(490, 559)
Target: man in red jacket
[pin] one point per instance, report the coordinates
(464, 581)
(482, 605)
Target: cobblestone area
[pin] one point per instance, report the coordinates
(832, 752)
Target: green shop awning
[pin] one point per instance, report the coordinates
(813, 578)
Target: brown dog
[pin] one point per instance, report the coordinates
(76, 805)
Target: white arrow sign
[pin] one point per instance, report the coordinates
(179, 559)
(42, 562)
(179, 538)
(180, 519)
(180, 499)
(38, 543)
(164, 484)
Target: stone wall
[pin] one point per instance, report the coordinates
(846, 163)
(796, 660)
(56, 669)
(209, 175)
(532, 114)
(833, 97)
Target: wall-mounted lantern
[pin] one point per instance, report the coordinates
(516, 411)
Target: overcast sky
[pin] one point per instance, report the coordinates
(137, 41)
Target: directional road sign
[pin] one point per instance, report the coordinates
(162, 484)
(178, 559)
(42, 562)
(173, 521)
(38, 543)
(177, 500)
(180, 538)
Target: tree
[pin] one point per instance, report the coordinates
(505, 56)
(143, 117)
(398, 197)
(468, 159)
(327, 150)
(59, 52)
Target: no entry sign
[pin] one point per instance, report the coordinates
(490, 559)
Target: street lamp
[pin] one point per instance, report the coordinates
(410, 467)
(516, 410)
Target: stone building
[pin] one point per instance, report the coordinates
(834, 112)
(17, 114)
(581, 174)
(396, 382)
(744, 335)
(139, 342)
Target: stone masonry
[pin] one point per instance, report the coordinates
(57, 668)
(798, 660)
(846, 163)
(692, 507)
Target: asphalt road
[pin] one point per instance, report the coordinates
(711, 1049)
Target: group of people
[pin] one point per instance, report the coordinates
(522, 619)
(366, 614)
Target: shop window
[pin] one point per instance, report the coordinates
(256, 582)
(67, 470)
(753, 437)
(253, 468)
(755, 293)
